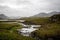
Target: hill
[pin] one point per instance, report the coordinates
(46, 14)
(2, 16)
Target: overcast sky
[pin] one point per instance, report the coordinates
(28, 7)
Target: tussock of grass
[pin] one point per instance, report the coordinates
(49, 30)
(6, 35)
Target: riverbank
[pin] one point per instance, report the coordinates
(8, 31)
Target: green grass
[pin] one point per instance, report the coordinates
(6, 35)
(49, 30)
(9, 26)
(8, 31)
(37, 20)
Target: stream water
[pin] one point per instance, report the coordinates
(27, 29)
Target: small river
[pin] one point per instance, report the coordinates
(27, 29)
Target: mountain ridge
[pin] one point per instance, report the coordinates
(46, 14)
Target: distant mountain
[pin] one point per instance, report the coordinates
(52, 13)
(46, 14)
(41, 15)
(2, 16)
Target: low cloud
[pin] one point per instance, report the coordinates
(30, 7)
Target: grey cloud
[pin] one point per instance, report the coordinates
(32, 7)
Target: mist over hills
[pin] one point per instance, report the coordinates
(11, 13)
(4, 10)
(46, 14)
(2, 16)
